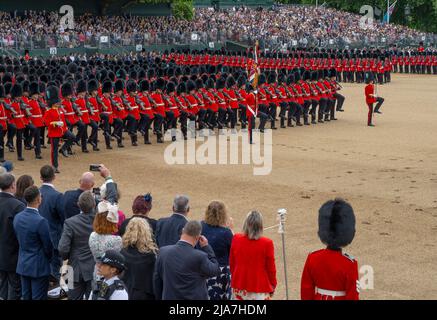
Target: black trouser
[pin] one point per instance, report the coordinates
(313, 110)
(132, 125)
(263, 117)
(330, 110)
(84, 137)
(222, 112)
(306, 109)
(81, 291)
(201, 115)
(434, 69)
(81, 130)
(34, 133)
(19, 142)
(118, 129)
(144, 126)
(211, 119)
(233, 117)
(184, 117)
(243, 116)
(12, 130)
(395, 68)
(2, 143)
(339, 77)
(42, 133)
(27, 136)
(284, 107)
(295, 110)
(54, 145)
(379, 102)
(272, 113)
(10, 286)
(323, 106)
(94, 133)
(106, 128)
(157, 125)
(340, 100)
(360, 76)
(380, 78)
(169, 116)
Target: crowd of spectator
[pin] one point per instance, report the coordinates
(276, 25)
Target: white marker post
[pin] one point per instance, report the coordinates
(281, 217)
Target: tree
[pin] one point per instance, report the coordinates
(183, 9)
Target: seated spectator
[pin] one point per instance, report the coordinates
(139, 251)
(181, 270)
(169, 230)
(23, 183)
(74, 246)
(216, 228)
(70, 206)
(36, 248)
(140, 209)
(252, 262)
(109, 266)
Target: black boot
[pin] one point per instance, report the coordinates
(283, 122)
(289, 123)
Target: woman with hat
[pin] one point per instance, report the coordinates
(331, 274)
(110, 265)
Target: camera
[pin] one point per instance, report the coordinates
(95, 167)
(97, 195)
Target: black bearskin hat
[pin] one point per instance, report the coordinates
(81, 86)
(25, 85)
(297, 76)
(332, 73)
(191, 85)
(119, 85)
(199, 83)
(8, 88)
(72, 67)
(314, 76)
(171, 87)
(290, 79)
(107, 87)
(131, 86)
(241, 81)
(230, 81)
(262, 78)
(66, 89)
(272, 78)
(33, 88)
(182, 88)
(369, 77)
(16, 91)
(41, 87)
(210, 83)
(220, 84)
(336, 224)
(52, 95)
(93, 85)
(144, 85)
(160, 84)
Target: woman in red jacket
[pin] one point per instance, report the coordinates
(252, 262)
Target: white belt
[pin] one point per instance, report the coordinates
(134, 107)
(107, 112)
(173, 107)
(3, 118)
(84, 111)
(160, 104)
(19, 116)
(36, 115)
(331, 293)
(147, 108)
(69, 113)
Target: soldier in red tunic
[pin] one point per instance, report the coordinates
(146, 111)
(93, 108)
(3, 124)
(36, 119)
(17, 118)
(371, 98)
(330, 274)
(56, 124)
(81, 90)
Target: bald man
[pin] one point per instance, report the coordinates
(71, 197)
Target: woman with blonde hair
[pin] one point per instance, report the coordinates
(217, 228)
(252, 262)
(139, 250)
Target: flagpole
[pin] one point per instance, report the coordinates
(388, 11)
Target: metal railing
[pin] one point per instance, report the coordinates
(22, 42)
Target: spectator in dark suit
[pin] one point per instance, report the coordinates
(74, 247)
(140, 209)
(181, 270)
(139, 251)
(51, 209)
(10, 285)
(36, 248)
(23, 182)
(169, 230)
(69, 200)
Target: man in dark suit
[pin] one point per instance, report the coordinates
(51, 209)
(10, 287)
(168, 230)
(74, 247)
(181, 270)
(36, 248)
(69, 200)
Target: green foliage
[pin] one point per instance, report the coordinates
(183, 9)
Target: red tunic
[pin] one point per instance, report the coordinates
(37, 117)
(330, 275)
(368, 91)
(193, 106)
(106, 108)
(54, 119)
(70, 114)
(147, 107)
(172, 106)
(3, 117)
(18, 119)
(94, 109)
(160, 105)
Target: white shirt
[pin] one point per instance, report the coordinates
(48, 184)
(33, 209)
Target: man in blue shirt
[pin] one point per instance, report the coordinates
(36, 248)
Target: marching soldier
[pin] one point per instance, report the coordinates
(331, 274)
(16, 118)
(36, 120)
(3, 124)
(146, 111)
(159, 108)
(133, 111)
(106, 112)
(71, 112)
(93, 108)
(371, 98)
(81, 90)
(119, 111)
(56, 124)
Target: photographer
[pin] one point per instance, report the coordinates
(108, 190)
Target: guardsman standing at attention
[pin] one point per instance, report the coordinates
(331, 274)
(54, 119)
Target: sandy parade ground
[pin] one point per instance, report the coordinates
(388, 173)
